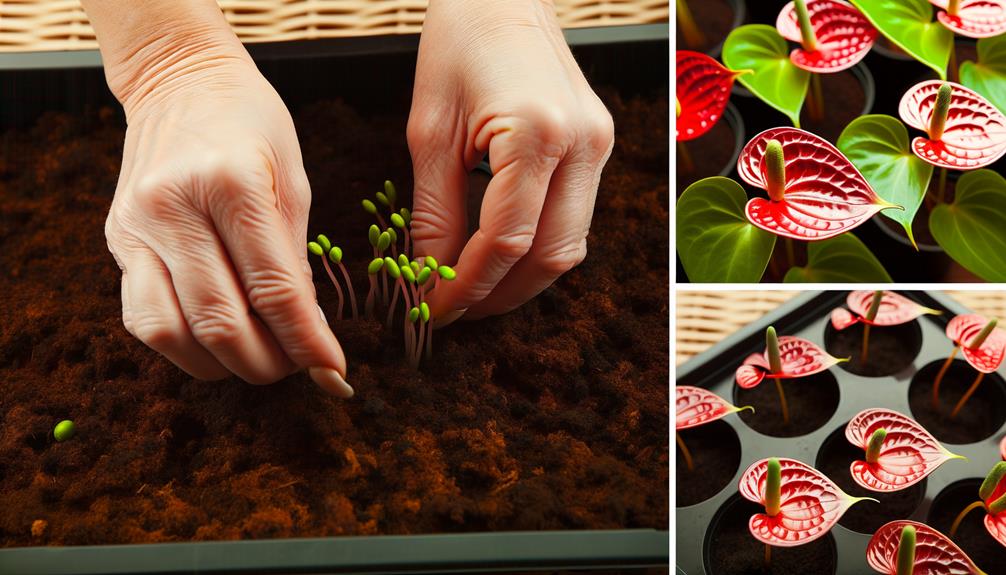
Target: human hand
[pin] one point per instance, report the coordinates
(496, 76)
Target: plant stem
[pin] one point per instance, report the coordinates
(941, 189)
(417, 355)
(809, 38)
(768, 556)
(967, 395)
(782, 401)
(962, 514)
(952, 74)
(689, 463)
(692, 35)
(685, 163)
(349, 287)
(865, 352)
(369, 305)
(790, 252)
(331, 276)
(391, 309)
(939, 378)
(816, 111)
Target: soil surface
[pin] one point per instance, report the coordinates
(716, 455)
(981, 416)
(714, 19)
(709, 154)
(834, 459)
(554, 416)
(890, 349)
(844, 100)
(812, 401)
(731, 550)
(971, 535)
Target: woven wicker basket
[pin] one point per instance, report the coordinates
(42, 25)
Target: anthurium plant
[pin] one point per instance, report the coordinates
(992, 499)
(983, 346)
(702, 91)
(877, 308)
(906, 547)
(695, 406)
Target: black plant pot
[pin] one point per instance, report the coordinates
(730, 137)
(738, 9)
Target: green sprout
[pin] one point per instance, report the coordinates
(376, 265)
(322, 248)
(985, 493)
(64, 430)
(871, 314)
(975, 343)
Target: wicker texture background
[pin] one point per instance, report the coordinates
(40, 25)
(704, 318)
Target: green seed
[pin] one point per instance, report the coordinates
(447, 272)
(393, 270)
(373, 234)
(324, 243)
(375, 265)
(64, 430)
(335, 254)
(393, 234)
(403, 260)
(397, 221)
(414, 266)
(408, 274)
(424, 311)
(423, 276)
(390, 191)
(431, 262)
(406, 215)
(315, 248)
(414, 314)
(369, 207)
(383, 199)
(383, 241)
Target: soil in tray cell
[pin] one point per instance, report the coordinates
(716, 455)
(844, 99)
(714, 18)
(730, 548)
(708, 154)
(981, 416)
(971, 536)
(812, 401)
(833, 460)
(891, 349)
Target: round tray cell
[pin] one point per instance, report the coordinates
(891, 349)
(729, 548)
(716, 455)
(971, 536)
(981, 417)
(812, 401)
(834, 458)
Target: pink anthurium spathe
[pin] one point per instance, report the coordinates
(992, 494)
(983, 346)
(702, 89)
(800, 358)
(842, 35)
(920, 549)
(696, 406)
(815, 192)
(898, 451)
(894, 309)
(973, 18)
(964, 130)
(801, 504)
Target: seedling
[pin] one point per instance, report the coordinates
(692, 35)
(992, 494)
(324, 249)
(695, 406)
(64, 430)
(785, 357)
(983, 346)
(905, 547)
(702, 91)
(878, 308)
(898, 451)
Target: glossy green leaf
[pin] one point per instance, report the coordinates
(715, 240)
(773, 78)
(988, 75)
(970, 229)
(843, 259)
(910, 25)
(879, 147)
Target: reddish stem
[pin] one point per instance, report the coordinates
(331, 276)
(939, 378)
(349, 287)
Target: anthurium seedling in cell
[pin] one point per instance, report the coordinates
(324, 249)
(785, 357)
(992, 494)
(983, 346)
(876, 308)
(898, 452)
(695, 406)
(906, 547)
(702, 91)
(801, 504)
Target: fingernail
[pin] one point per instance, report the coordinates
(322, 314)
(448, 318)
(331, 381)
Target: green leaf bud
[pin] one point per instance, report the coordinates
(431, 262)
(406, 215)
(324, 243)
(315, 249)
(423, 276)
(393, 234)
(397, 221)
(390, 191)
(424, 311)
(383, 199)
(383, 241)
(415, 266)
(447, 272)
(64, 430)
(335, 254)
(413, 314)
(393, 270)
(408, 274)
(373, 234)
(375, 265)
(403, 260)
(369, 207)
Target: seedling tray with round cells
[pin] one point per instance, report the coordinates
(713, 536)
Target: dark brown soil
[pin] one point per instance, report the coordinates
(812, 401)
(716, 455)
(731, 550)
(844, 100)
(890, 349)
(709, 155)
(971, 536)
(714, 19)
(554, 416)
(834, 459)
(981, 416)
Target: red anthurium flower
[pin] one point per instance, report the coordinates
(894, 309)
(703, 89)
(974, 18)
(973, 135)
(935, 553)
(987, 357)
(800, 358)
(844, 35)
(820, 194)
(995, 516)
(696, 406)
(810, 504)
(899, 451)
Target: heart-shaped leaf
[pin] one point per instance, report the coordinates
(909, 25)
(974, 133)
(907, 454)
(776, 80)
(987, 76)
(703, 90)
(800, 358)
(715, 241)
(810, 503)
(844, 35)
(970, 229)
(974, 18)
(844, 259)
(895, 309)
(696, 406)
(987, 357)
(825, 195)
(935, 553)
(878, 146)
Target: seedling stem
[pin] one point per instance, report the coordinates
(775, 365)
(939, 378)
(689, 463)
(685, 159)
(962, 514)
(967, 395)
(694, 37)
(906, 551)
(871, 315)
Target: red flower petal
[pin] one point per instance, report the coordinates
(696, 406)
(800, 358)
(996, 526)
(844, 35)
(908, 454)
(810, 503)
(842, 318)
(986, 359)
(975, 132)
(825, 194)
(975, 18)
(935, 553)
(894, 309)
(703, 90)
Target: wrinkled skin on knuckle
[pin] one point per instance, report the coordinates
(557, 261)
(272, 292)
(215, 326)
(159, 333)
(513, 245)
(599, 134)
